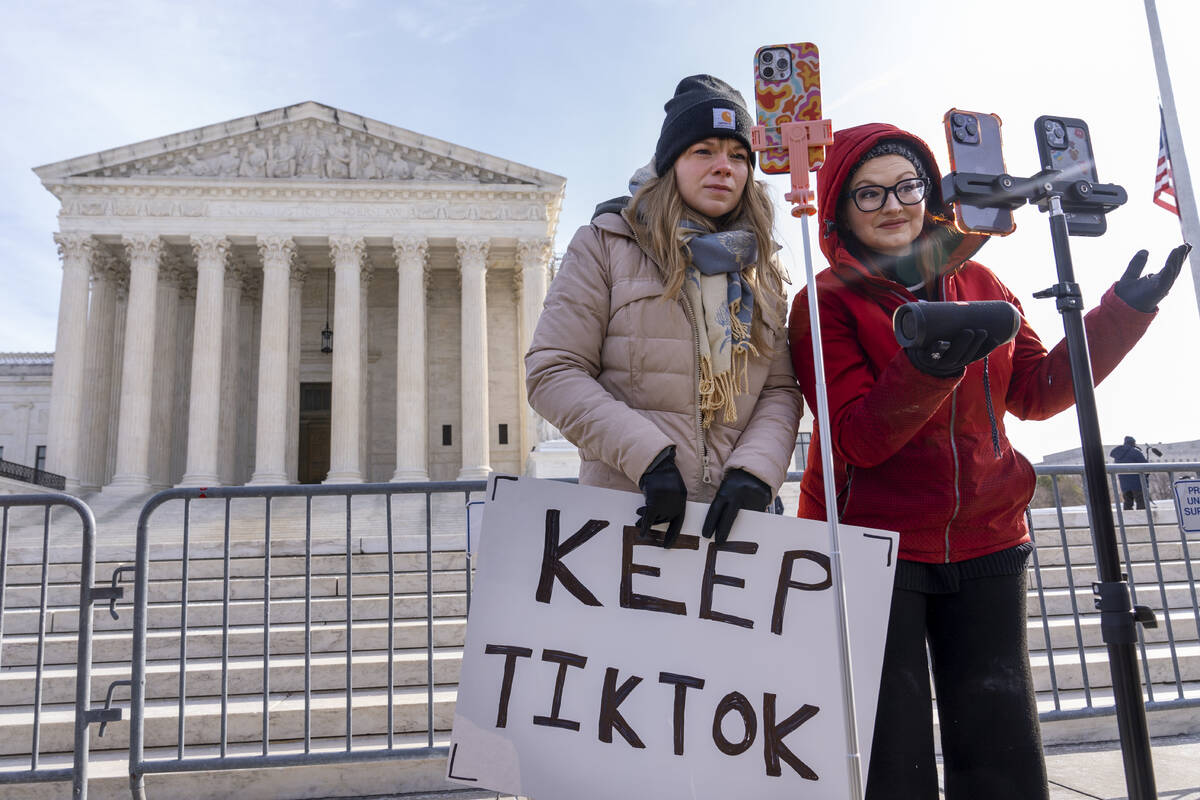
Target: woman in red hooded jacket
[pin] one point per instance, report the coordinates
(919, 447)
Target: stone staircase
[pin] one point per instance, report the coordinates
(1071, 624)
(276, 688)
(279, 691)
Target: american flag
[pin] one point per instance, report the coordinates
(1164, 188)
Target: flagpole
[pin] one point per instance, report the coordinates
(1181, 179)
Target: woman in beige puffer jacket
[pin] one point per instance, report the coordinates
(638, 358)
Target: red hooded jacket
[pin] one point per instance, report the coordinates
(912, 452)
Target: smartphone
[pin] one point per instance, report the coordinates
(1064, 144)
(974, 142)
(787, 88)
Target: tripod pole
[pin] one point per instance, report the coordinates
(1118, 620)
(854, 756)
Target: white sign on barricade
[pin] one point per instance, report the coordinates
(1187, 497)
(599, 665)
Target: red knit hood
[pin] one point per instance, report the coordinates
(848, 147)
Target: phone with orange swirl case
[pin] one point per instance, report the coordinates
(787, 88)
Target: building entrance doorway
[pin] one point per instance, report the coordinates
(316, 400)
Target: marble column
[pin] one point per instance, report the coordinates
(472, 257)
(66, 383)
(533, 258)
(204, 407)
(23, 453)
(116, 357)
(270, 451)
(412, 435)
(162, 396)
(185, 334)
(295, 312)
(232, 402)
(344, 463)
(132, 472)
(364, 373)
(98, 374)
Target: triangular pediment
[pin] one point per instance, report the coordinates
(304, 142)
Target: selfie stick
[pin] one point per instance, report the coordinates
(797, 137)
(1118, 616)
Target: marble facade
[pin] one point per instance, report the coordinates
(199, 270)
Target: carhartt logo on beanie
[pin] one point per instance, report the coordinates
(703, 106)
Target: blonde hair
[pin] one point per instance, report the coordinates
(655, 214)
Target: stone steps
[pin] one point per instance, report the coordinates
(1159, 662)
(327, 605)
(245, 673)
(1062, 629)
(419, 778)
(247, 640)
(241, 566)
(249, 587)
(1083, 554)
(202, 719)
(1144, 573)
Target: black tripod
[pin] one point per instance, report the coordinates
(1118, 617)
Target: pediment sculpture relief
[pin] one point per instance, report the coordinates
(310, 151)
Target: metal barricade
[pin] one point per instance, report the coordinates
(296, 746)
(38, 772)
(1158, 562)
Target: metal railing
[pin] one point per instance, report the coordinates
(38, 772)
(288, 749)
(38, 477)
(204, 586)
(1160, 574)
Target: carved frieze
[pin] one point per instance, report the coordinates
(310, 150)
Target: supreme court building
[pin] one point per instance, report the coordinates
(299, 295)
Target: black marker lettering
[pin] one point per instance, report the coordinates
(773, 746)
(564, 660)
(682, 683)
(734, 701)
(610, 716)
(552, 554)
(713, 578)
(785, 582)
(511, 653)
(632, 537)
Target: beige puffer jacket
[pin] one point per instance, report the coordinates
(614, 367)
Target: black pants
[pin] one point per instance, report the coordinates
(991, 743)
(1133, 496)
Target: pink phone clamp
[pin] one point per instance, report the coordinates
(797, 138)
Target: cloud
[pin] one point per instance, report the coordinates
(442, 23)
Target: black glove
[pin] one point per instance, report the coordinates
(666, 496)
(739, 490)
(1146, 292)
(948, 359)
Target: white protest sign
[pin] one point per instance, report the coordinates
(599, 665)
(1187, 496)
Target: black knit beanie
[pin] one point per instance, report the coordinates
(894, 147)
(703, 106)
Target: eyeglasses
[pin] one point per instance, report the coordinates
(909, 192)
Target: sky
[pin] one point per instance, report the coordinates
(577, 89)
